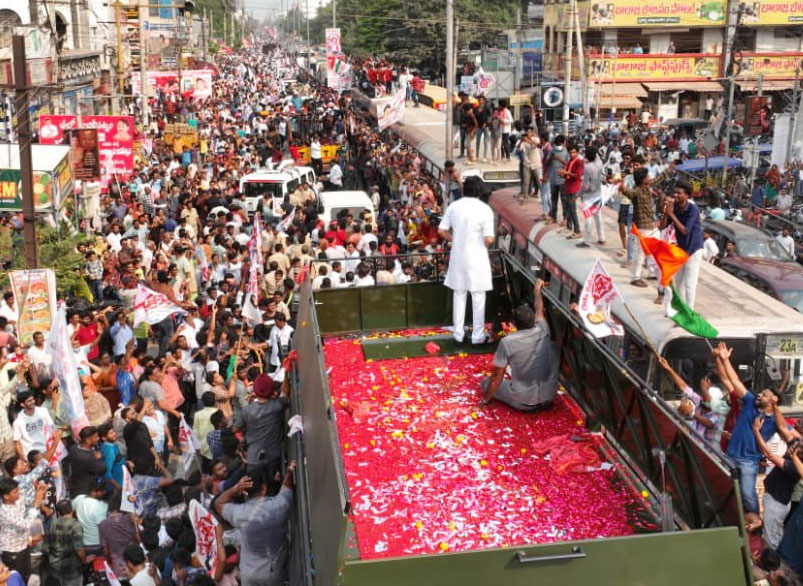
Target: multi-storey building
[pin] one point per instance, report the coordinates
(672, 57)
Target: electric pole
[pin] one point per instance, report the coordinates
(143, 69)
(581, 64)
(754, 158)
(120, 79)
(308, 45)
(203, 35)
(450, 75)
(334, 13)
(23, 132)
(567, 83)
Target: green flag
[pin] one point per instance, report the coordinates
(690, 321)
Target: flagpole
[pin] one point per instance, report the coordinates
(641, 329)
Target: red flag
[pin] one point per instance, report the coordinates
(668, 257)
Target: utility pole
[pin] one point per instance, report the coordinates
(211, 26)
(203, 35)
(334, 14)
(730, 70)
(792, 120)
(308, 45)
(450, 74)
(225, 38)
(581, 64)
(23, 132)
(120, 80)
(567, 82)
(517, 73)
(143, 73)
(754, 159)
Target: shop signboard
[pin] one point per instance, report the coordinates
(656, 13)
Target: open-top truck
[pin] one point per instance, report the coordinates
(690, 492)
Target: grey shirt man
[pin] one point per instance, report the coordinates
(262, 522)
(592, 180)
(532, 359)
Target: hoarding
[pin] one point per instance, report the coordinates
(35, 296)
(649, 13)
(770, 12)
(758, 115)
(52, 128)
(195, 82)
(115, 145)
(770, 65)
(84, 155)
(679, 67)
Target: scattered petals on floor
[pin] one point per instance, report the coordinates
(430, 471)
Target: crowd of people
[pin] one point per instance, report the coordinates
(179, 226)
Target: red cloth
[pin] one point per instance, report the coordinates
(566, 455)
(669, 257)
(85, 335)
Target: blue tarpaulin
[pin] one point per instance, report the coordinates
(697, 165)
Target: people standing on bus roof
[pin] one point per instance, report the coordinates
(684, 215)
(469, 225)
(591, 191)
(643, 214)
(532, 358)
(554, 163)
(572, 174)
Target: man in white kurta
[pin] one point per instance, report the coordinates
(469, 224)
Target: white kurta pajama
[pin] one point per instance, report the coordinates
(471, 222)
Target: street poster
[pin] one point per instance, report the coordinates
(35, 300)
(84, 156)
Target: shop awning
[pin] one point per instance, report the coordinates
(622, 89)
(683, 86)
(618, 102)
(772, 85)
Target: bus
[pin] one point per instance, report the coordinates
(765, 334)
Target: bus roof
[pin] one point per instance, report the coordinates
(733, 307)
(275, 174)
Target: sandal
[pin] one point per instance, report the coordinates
(639, 283)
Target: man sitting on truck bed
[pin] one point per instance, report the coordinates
(532, 358)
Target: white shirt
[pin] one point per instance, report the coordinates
(471, 222)
(787, 243)
(142, 578)
(40, 359)
(30, 430)
(315, 150)
(366, 281)
(336, 175)
(506, 121)
(710, 250)
(364, 245)
(277, 339)
(114, 241)
(8, 312)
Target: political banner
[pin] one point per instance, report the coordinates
(656, 13)
(193, 83)
(204, 525)
(128, 504)
(35, 300)
(110, 575)
(52, 128)
(592, 207)
(188, 442)
(84, 155)
(152, 307)
(334, 58)
(770, 12)
(115, 145)
(65, 370)
(594, 304)
(678, 67)
(391, 112)
(758, 115)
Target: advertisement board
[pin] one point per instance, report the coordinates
(195, 82)
(35, 296)
(649, 13)
(770, 65)
(52, 128)
(758, 115)
(84, 155)
(115, 145)
(678, 67)
(770, 12)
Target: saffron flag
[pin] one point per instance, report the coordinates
(204, 525)
(65, 370)
(594, 304)
(690, 320)
(668, 257)
(152, 307)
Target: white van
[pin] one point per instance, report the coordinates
(262, 186)
(334, 202)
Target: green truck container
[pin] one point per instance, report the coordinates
(693, 489)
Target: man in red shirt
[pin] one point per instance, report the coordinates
(572, 173)
(88, 334)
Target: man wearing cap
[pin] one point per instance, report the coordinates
(262, 421)
(469, 225)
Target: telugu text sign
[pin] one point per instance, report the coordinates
(649, 13)
(654, 68)
(769, 65)
(770, 12)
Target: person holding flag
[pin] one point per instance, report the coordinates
(684, 216)
(643, 214)
(591, 194)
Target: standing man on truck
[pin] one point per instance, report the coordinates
(532, 358)
(468, 224)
